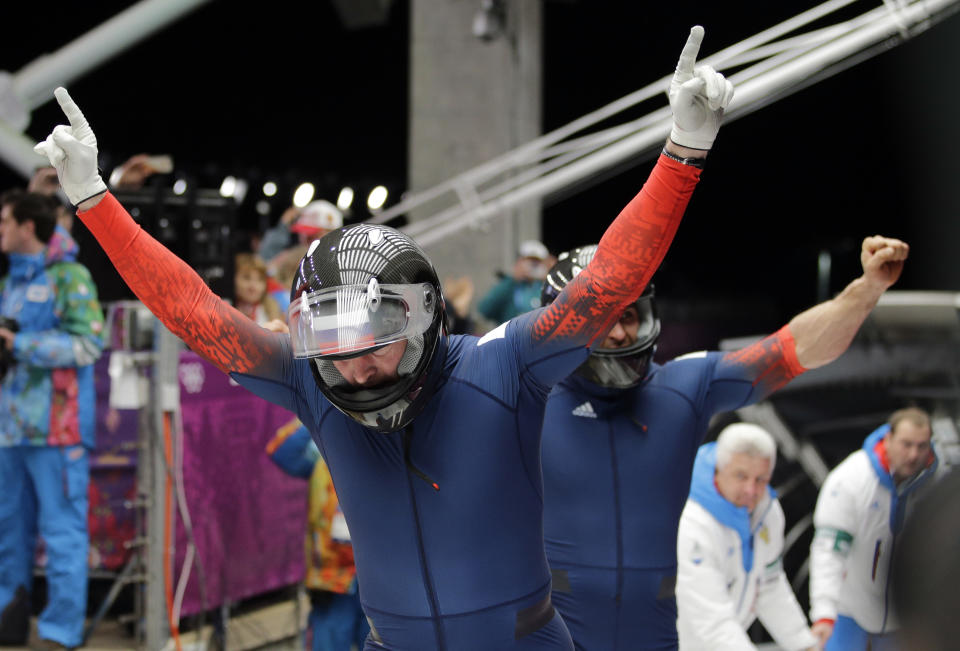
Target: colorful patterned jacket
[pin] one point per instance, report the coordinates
(329, 553)
(47, 396)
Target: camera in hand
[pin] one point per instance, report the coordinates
(6, 354)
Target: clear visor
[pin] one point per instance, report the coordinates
(648, 329)
(350, 319)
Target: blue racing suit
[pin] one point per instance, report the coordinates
(617, 466)
(446, 515)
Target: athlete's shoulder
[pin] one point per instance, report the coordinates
(688, 367)
(457, 344)
(510, 338)
(486, 363)
(693, 360)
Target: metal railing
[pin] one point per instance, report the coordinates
(766, 67)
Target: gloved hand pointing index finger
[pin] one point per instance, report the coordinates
(689, 55)
(81, 128)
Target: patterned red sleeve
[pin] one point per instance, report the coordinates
(177, 295)
(632, 248)
(772, 361)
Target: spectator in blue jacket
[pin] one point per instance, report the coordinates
(51, 336)
(519, 292)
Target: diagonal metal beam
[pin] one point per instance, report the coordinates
(783, 62)
(32, 86)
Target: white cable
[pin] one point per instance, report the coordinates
(190, 553)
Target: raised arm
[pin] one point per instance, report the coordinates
(817, 336)
(166, 284)
(824, 332)
(636, 242)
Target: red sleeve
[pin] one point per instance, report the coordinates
(174, 292)
(773, 360)
(632, 248)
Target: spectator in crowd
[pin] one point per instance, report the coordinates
(134, 172)
(250, 290)
(281, 271)
(611, 544)
(926, 570)
(459, 295)
(44, 181)
(860, 511)
(336, 619)
(730, 549)
(311, 223)
(520, 291)
(51, 330)
(433, 441)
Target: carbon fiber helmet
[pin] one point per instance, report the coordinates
(608, 367)
(358, 289)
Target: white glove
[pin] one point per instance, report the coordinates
(697, 97)
(73, 152)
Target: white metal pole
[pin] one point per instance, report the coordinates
(17, 151)
(35, 82)
(751, 94)
(33, 85)
(528, 152)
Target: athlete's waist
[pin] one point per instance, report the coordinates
(658, 565)
(493, 627)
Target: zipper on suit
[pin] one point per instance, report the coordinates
(424, 569)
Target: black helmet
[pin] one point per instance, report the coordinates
(619, 367)
(358, 289)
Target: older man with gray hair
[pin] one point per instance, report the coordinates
(729, 549)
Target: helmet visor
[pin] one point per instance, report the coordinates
(349, 319)
(647, 330)
(626, 366)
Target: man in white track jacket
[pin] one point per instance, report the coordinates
(859, 513)
(729, 549)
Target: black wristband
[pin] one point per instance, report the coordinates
(692, 162)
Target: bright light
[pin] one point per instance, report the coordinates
(228, 187)
(303, 195)
(240, 191)
(269, 188)
(377, 197)
(179, 186)
(345, 198)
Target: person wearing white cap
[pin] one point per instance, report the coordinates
(519, 292)
(310, 223)
(730, 549)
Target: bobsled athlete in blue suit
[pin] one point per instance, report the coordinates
(620, 436)
(433, 441)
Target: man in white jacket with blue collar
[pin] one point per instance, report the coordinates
(860, 511)
(729, 550)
